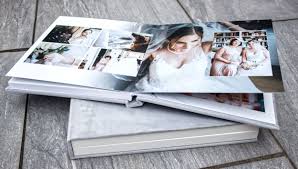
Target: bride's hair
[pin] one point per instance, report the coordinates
(184, 31)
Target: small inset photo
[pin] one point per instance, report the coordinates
(129, 41)
(57, 55)
(73, 35)
(241, 53)
(117, 61)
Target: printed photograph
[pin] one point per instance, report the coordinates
(202, 57)
(129, 41)
(246, 100)
(194, 56)
(73, 35)
(177, 56)
(241, 53)
(57, 55)
(115, 61)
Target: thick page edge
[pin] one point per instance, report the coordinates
(266, 119)
(66, 91)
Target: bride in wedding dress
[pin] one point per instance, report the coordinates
(254, 55)
(227, 60)
(181, 64)
(181, 57)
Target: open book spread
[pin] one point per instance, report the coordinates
(202, 57)
(226, 70)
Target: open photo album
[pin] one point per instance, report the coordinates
(203, 57)
(226, 70)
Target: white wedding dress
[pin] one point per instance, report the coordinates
(234, 55)
(191, 77)
(86, 41)
(254, 58)
(257, 63)
(165, 77)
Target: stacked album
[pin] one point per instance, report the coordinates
(152, 87)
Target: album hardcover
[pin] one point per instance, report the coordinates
(102, 129)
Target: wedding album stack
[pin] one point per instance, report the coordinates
(142, 87)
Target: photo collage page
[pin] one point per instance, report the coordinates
(200, 57)
(94, 49)
(230, 56)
